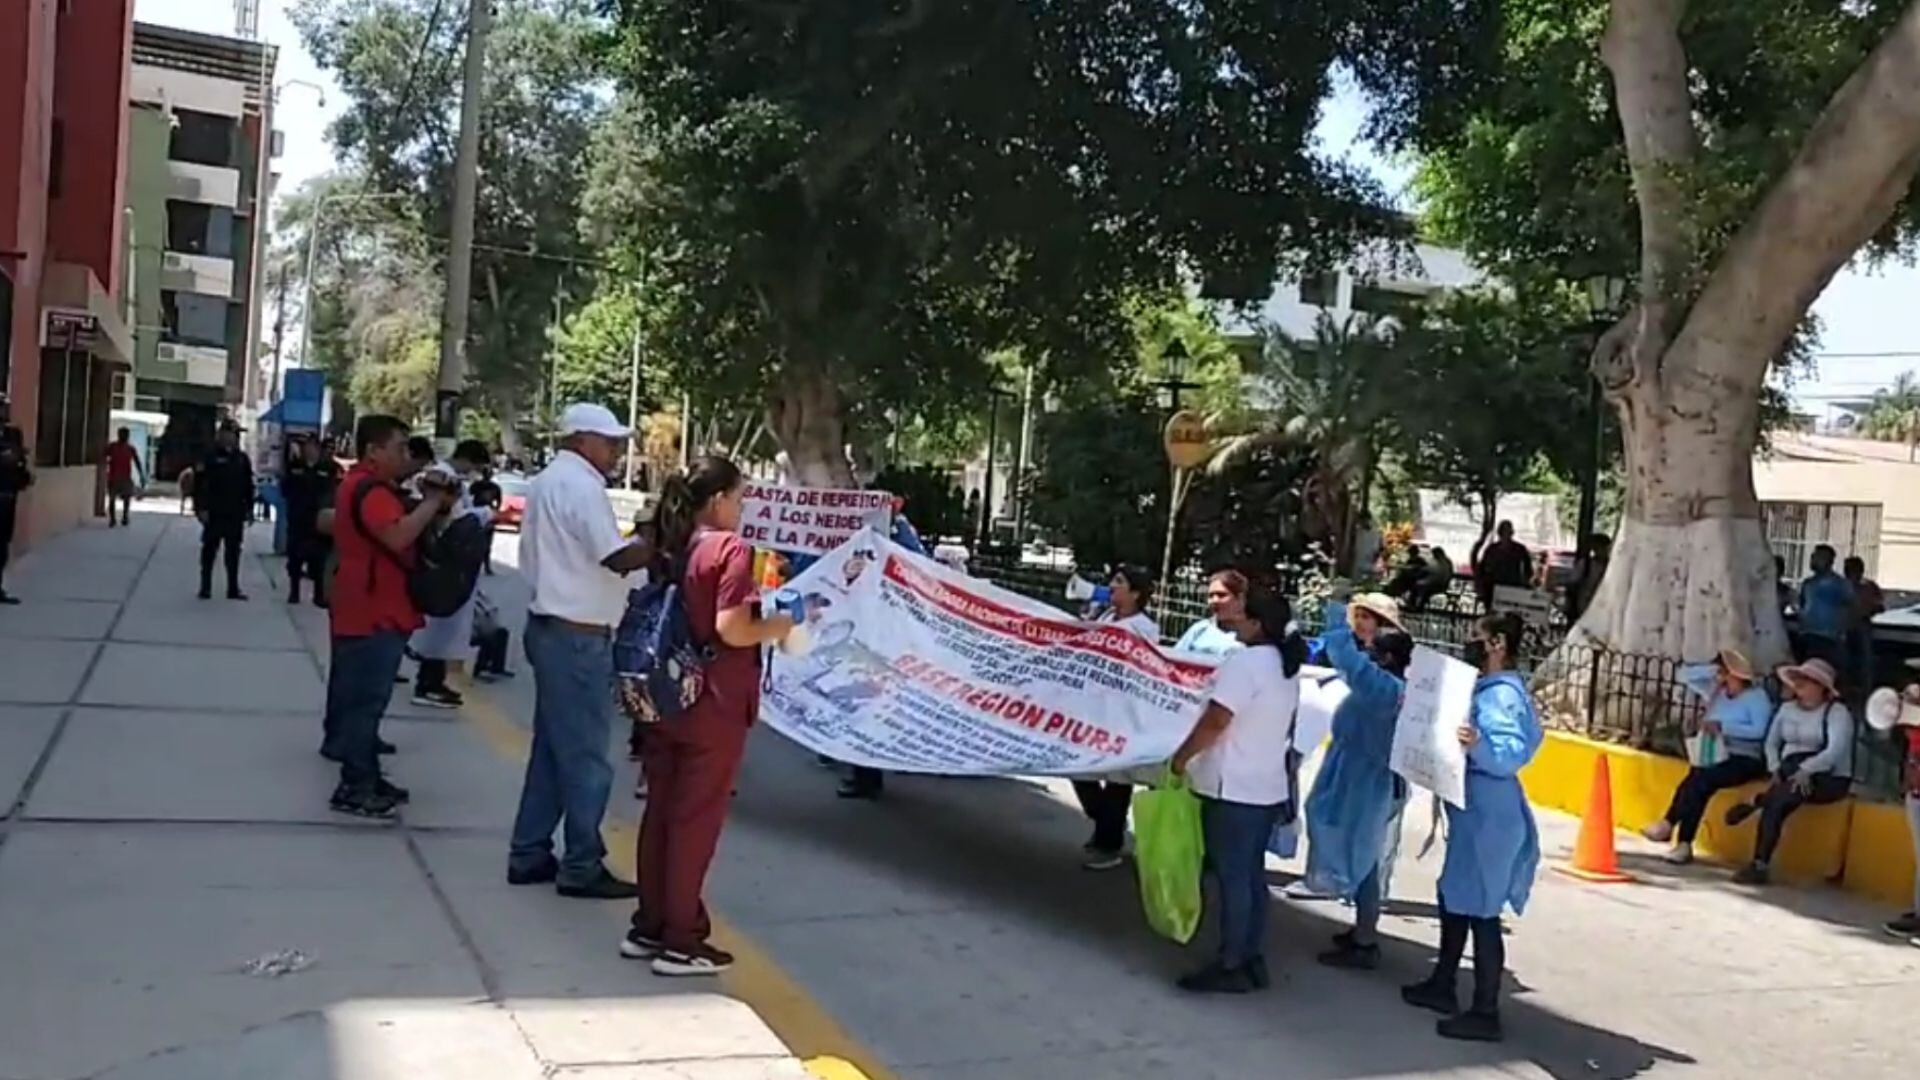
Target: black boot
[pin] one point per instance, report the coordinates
(1474, 1025)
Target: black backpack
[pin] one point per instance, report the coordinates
(446, 560)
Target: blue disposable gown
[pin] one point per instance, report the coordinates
(1493, 847)
(1355, 795)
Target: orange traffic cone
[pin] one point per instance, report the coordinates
(1593, 856)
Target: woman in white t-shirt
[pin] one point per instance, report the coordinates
(1236, 760)
(1106, 802)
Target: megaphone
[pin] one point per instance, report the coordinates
(1079, 588)
(1887, 709)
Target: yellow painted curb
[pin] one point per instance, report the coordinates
(827, 1049)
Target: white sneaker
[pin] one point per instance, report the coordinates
(1659, 832)
(1680, 855)
(705, 960)
(1105, 860)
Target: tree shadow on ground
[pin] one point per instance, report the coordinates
(1011, 847)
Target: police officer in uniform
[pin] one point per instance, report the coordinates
(223, 501)
(308, 482)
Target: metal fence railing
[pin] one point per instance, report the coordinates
(1600, 693)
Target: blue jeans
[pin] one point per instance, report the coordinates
(359, 685)
(568, 774)
(1236, 838)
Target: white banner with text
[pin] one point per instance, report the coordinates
(918, 668)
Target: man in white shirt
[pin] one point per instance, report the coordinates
(574, 557)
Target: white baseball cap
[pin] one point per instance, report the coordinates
(586, 418)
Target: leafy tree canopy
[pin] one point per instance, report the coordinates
(848, 207)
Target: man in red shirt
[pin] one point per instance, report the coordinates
(372, 614)
(121, 460)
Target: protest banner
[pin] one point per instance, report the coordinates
(917, 668)
(1426, 737)
(810, 521)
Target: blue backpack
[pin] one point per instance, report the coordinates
(659, 669)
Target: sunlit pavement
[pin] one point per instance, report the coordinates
(173, 826)
(168, 825)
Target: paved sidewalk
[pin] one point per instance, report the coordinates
(163, 822)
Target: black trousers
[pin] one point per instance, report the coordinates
(306, 556)
(492, 655)
(1779, 802)
(218, 532)
(1106, 804)
(1489, 957)
(1701, 784)
(432, 675)
(7, 517)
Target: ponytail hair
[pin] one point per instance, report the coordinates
(1393, 651)
(1274, 615)
(684, 496)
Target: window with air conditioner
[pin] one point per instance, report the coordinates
(194, 319)
(204, 139)
(198, 229)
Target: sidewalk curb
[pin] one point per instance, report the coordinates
(825, 1049)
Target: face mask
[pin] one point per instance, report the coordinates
(1475, 653)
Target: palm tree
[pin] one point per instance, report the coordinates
(1894, 414)
(1331, 396)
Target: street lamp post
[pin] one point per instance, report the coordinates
(1175, 380)
(1606, 298)
(985, 535)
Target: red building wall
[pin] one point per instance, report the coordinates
(27, 46)
(86, 221)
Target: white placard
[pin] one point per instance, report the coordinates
(1426, 737)
(1534, 606)
(810, 521)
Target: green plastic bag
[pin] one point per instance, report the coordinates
(1168, 849)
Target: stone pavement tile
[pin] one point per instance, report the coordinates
(183, 677)
(140, 765)
(43, 672)
(429, 1039)
(456, 780)
(56, 575)
(558, 968)
(755, 1068)
(74, 620)
(257, 625)
(646, 1027)
(142, 931)
(23, 736)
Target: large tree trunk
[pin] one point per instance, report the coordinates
(807, 415)
(1691, 572)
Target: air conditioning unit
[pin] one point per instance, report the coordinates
(174, 261)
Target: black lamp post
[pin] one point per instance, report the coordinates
(1175, 381)
(994, 396)
(1606, 300)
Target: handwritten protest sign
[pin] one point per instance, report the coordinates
(810, 521)
(918, 668)
(1426, 738)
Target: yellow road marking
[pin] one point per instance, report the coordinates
(827, 1049)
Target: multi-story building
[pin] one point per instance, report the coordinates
(197, 189)
(1382, 283)
(63, 330)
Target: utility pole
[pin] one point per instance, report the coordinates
(466, 189)
(633, 409)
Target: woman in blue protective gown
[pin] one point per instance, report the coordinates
(1356, 797)
(1493, 847)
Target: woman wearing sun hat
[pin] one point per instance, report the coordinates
(1356, 798)
(1809, 754)
(1730, 751)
